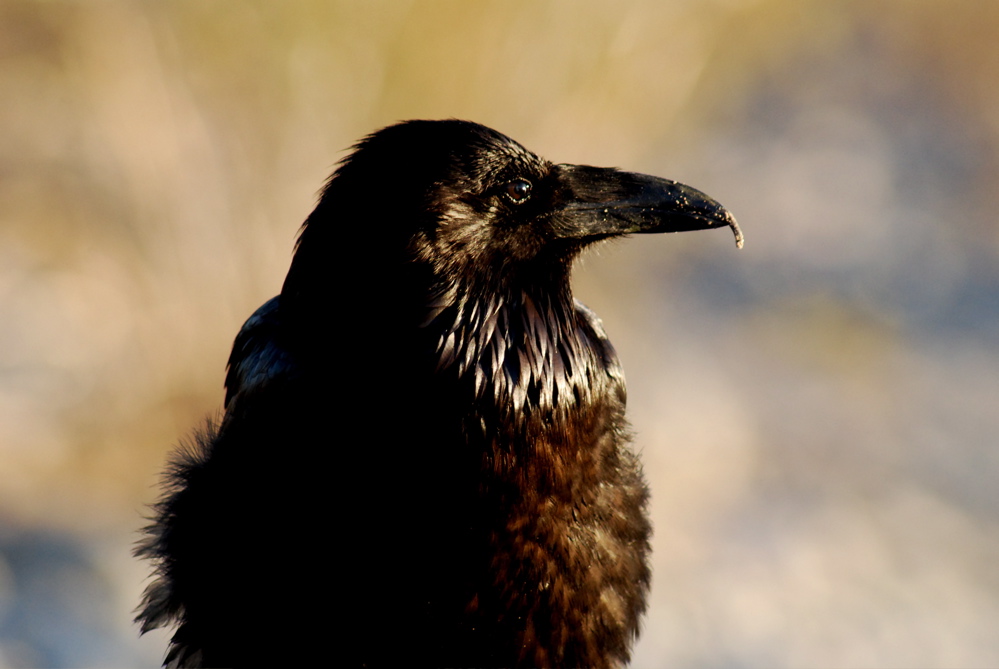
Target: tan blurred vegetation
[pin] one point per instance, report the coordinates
(817, 413)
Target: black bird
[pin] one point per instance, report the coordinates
(424, 459)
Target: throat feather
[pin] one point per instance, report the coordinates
(518, 352)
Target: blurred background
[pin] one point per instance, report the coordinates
(817, 413)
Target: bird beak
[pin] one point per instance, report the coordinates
(604, 202)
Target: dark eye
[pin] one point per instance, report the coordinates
(518, 190)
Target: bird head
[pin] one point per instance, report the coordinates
(462, 200)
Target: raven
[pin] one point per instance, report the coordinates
(424, 458)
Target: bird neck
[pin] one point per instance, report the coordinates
(518, 350)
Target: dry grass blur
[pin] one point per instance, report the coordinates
(817, 413)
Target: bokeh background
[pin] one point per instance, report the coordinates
(817, 413)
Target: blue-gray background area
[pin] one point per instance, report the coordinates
(816, 413)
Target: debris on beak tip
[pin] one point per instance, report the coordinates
(739, 239)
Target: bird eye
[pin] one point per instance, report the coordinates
(518, 190)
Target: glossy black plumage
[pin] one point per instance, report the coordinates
(424, 459)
